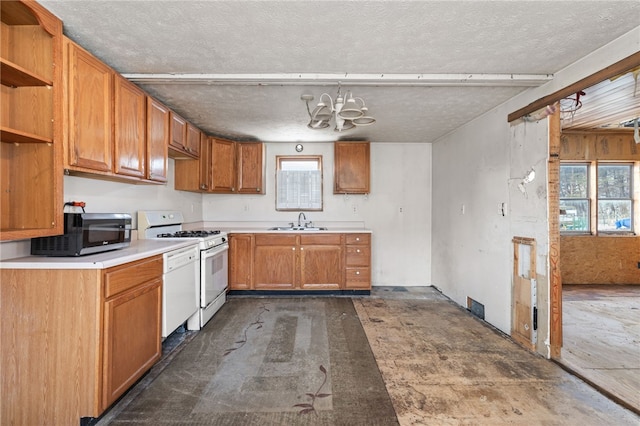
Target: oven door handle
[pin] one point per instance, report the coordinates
(214, 251)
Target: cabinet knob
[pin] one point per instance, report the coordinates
(301, 248)
(293, 248)
(357, 272)
(257, 189)
(358, 251)
(233, 189)
(357, 238)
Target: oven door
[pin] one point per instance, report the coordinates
(213, 273)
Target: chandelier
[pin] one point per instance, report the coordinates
(347, 111)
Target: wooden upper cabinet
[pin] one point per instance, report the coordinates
(195, 175)
(204, 165)
(157, 140)
(90, 112)
(185, 138)
(31, 146)
(178, 126)
(351, 168)
(193, 140)
(129, 129)
(250, 159)
(223, 166)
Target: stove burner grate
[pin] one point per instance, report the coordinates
(201, 233)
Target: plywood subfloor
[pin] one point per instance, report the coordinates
(601, 337)
(442, 366)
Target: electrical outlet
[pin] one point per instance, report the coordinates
(355, 208)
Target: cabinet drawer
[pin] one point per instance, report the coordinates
(358, 277)
(326, 239)
(124, 277)
(363, 239)
(275, 239)
(358, 255)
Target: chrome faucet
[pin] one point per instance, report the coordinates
(302, 215)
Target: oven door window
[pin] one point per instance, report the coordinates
(214, 274)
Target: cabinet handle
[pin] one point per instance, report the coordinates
(233, 189)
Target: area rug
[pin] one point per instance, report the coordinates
(270, 361)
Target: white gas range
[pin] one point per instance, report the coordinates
(213, 246)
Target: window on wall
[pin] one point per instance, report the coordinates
(299, 182)
(608, 197)
(574, 198)
(615, 199)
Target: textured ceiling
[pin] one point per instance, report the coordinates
(269, 38)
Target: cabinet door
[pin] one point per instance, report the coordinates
(351, 168)
(132, 342)
(90, 116)
(204, 165)
(223, 166)
(240, 262)
(250, 167)
(275, 261)
(157, 140)
(192, 144)
(129, 129)
(321, 267)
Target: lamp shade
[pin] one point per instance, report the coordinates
(350, 110)
(365, 120)
(321, 112)
(318, 124)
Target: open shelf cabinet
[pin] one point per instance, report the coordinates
(30, 121)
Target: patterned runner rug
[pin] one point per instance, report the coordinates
(270, 361)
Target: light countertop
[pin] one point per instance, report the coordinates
(139, 249)
(250, 230)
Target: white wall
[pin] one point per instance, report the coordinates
(479, 166)
(398, 210)
(400, 179)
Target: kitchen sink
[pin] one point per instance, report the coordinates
(297, 228)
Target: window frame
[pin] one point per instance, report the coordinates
(279, 165)
(593, 197)
(588, 199)
(630, 199)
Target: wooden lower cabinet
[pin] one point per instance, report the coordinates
(321, 262)
(241, 268)
(299, 261)
(131, 345)
(275, 261)
(357, 261)
(74, 340)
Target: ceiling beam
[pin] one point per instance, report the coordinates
(614, 70)
(327, 79)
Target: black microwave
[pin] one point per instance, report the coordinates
(86, 233)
